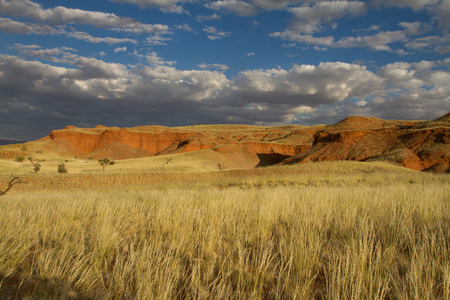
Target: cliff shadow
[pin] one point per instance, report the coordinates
(268, 159)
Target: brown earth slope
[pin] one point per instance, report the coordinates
(416, 145)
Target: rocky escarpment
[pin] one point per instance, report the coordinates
(413, 144)
(263, 145)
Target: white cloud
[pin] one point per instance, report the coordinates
(442, 12)
(309, 85)
(214, 34)
(62, 15)
(120, 49)
(436, 43)
(413, 28)
(308, 39)
(276, 4)
(378, 42)
(309, 18)
(95, 91)
(238, 7)
(11, 26)
(414, 4)
(157, 40)
(154, 60)
(220, 67)
(438, 8)
(213, 17)
(109, 40)
(165, 5)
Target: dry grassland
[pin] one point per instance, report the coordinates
(337, 230)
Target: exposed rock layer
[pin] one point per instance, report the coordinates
(413, 144)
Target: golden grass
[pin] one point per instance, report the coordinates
(337, 230)
(185, 171)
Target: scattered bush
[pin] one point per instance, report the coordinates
(105, 162)
(167, 162)
(20, 159)
(37, 167)
(62, 168)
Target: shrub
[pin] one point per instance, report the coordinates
(20, 158)
(37, 167)
(62, 168)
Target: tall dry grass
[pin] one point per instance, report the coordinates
(387, 241)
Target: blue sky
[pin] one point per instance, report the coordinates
(184, 62)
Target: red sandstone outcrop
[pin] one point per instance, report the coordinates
(413, 144)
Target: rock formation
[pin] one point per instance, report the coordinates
(416, 145)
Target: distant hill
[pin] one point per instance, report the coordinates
(417, 145)
(9, 142)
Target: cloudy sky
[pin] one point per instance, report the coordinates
(183, 62)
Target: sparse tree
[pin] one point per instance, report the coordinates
(104, 162)
(167, 162)
(37, 167)
(15, 180)
(62, 168)
(36, 163)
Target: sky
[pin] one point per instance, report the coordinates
(173, 63)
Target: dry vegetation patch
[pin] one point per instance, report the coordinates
(334, 230)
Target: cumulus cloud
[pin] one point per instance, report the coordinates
(99, 92)
(413, 28)
(309, 18)
(62, 15)
(442, 13)
(440, 9)
(309, 85)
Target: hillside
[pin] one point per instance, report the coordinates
(418, 145)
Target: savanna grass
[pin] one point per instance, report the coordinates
(365, 241)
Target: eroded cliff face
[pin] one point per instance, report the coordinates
(280, 142)
(89, 140)
(415, 145)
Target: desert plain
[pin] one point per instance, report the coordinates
(359, 209)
